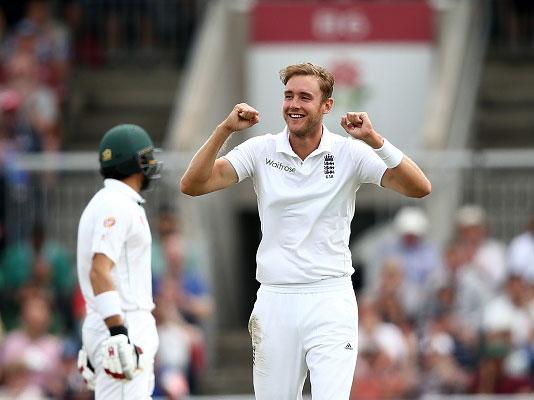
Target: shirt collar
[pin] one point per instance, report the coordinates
(283, 146)
(122, 187)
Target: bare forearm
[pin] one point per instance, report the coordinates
(102, 281)
(206, 173)
(201, 166)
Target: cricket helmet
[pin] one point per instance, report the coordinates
(127, 149)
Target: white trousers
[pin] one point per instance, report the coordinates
(142, 332)
(296, 328)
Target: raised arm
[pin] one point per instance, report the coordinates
(405, 177)
(207, 173)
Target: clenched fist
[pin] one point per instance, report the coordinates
(359, 126)
(242, 117)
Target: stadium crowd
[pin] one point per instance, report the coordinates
(35, 66)
(37, 347)
(41, 43)
(457, 321)
(41, 307)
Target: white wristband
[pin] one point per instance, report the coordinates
(389, 154)
(108, 304)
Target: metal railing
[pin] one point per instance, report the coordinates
(55, 189)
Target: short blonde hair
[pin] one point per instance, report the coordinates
(326, 78)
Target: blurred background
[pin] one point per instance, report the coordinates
(445, 285)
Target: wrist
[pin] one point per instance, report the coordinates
(375, 140)
(224, 129)
(114, 320)
(389, 154)
(118, 330)
(108, 304)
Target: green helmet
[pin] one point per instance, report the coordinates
(126, 150)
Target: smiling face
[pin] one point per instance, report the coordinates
(303, 107)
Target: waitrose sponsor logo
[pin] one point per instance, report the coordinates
(279, 165)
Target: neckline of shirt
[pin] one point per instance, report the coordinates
(123, 188)
(283, 145)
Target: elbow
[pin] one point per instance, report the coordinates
(424, 190)
(187, 188)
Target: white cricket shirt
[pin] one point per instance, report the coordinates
(305, 207)
(114, 223)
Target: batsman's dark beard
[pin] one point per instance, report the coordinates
(145, 184)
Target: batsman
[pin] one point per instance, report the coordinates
(113, 260)
(305, 178)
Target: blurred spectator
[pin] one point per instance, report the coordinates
(184, 305)
(493, 376)
(17, 384)
(417, 255)
(30, 110)
(16, 132)
(511, 312)
(485, 254)
(46, 39)
(15, 136)
(385, 368)
(521, 253)
(192, 295)
(456, 299)
(459, 287)
(37, 264)
(31, 348)
(502, 370)
(166, 224)
(173, 359)
(441, 373)
(178, 335)
(508, 332)
(394, 295)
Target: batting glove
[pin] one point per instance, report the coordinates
(86, 369)
(120, 357)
